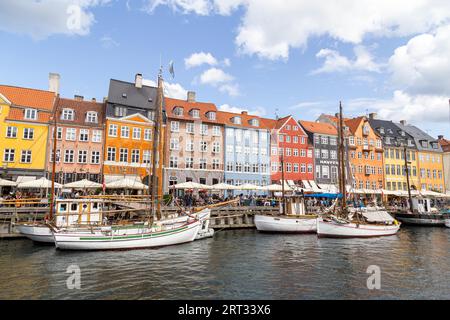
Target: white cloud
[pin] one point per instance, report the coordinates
(260, 111)
(218, 78)
(41, 19)
(335, 62)
(108, 42)
(404, 106)
(298, 20)
(198, 59)
(423, 64)
(171, 90)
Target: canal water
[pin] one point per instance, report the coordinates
(238, 264)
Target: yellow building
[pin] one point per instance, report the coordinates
(24, 119)
(429, 159)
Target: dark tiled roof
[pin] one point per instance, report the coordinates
(127, 94)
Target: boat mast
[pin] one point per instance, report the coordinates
(156, 161)
(52, 192)
(407, 180)
(282, 183)
(342, 160)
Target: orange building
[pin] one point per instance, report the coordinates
(365, 152)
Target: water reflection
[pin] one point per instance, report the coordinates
(241, 264)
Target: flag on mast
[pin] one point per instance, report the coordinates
(171, 69)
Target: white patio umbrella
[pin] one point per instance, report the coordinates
(223, 186)
(41, 183)
(83, 184)
(248, 186)
(7, 183)
(126, 183)
(278, 187)
(191, 185)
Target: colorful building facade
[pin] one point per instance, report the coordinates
(289, 141)
(246, 154)
(25, 116)
(129, 130)
(79, 140)
(323, 137)
(395, 140)
(445, 145)
(194, 149)
(430, 158)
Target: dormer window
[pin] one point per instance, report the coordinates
(390, 131)
(424, 144)
(30, 114)
(151, 115)
(366, 129)
(92, 117)
(388, 140)
(124, 95)
(402, 133)
(68, 115)
(211, 115)
(236, 120)
(195, 113)
(381, 130)
(120, 111)
(254, 122)
(178, 111)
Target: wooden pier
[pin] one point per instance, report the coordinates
(221, 218)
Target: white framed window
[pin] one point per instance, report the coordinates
(123, 155)
(25, 156)
(111, 154)
(92, 117)
(58, 156)
(178, 111)
(69, 156)
(11, 132)
(195, 113)
(112, 131)
(204, 129)
(67, 114)
(125, 132)
(9, 155)
(274, 167)
(295, 152)
(189, 163)
(174, 126)
(96, 136)
(71, 134)
(202, 164)
(30, 114)
(174, 144)
(310, 168)
(120, 111)
(146, 157)
(173, 162)
(230, 148)
(211, 115)
(296, 167)
(84, 135)
(303, 168)
(135, 155)
(216, 147)
(203, 146)
(325, 172)
(95, 157)
(82, 156)
(216, 164)
(28, 133)
(295, 139)
(190, 127)
(288, 139)
(148, 134)
(238, 149)
(216, 131)
(189, 145)
(274, 151)
(137, 133)
(264, 151)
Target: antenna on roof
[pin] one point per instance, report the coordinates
(276, 113)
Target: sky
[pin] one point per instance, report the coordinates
(298, 57)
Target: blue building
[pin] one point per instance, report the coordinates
(247, 150)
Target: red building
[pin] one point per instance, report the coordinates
(290, 140)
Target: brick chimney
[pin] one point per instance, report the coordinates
(78, 97)
(403, 122)
(244, 113)
(372, 115)
(94, 100)
(138, 81)
(440, 137)
(53, 82)
(191, 96)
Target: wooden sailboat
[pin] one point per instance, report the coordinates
(346, 223)
(292, 218)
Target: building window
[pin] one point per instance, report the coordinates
(211, 115)
(173, 162)
(112, 131)
(146, 157)
(254, 122)
(8, 155)
(310, 168)
(333, 141)
(203, 146)
(120, 111)
(236, 120)
(230, 166)
(28, 133)
(216, 164)
(204, 129)
(324, 140)
(247, 167)
(333, 154)
(95, 157)
(178, 111)
(174, 144)
(324, 154)
(111, 154)
(288, 139)
(189, 163)
(151, 115)
(84, 135)
(82, 156)
(195, 113)
(203, 164)
(96, 136)
(69, 156)
(135, 155)
(274, 167)
(11, 132)
(238, 167)
(71, 134)
(190, 127)
(325, 172)
(303, 168)
(92, 117)
(125, 132)
(123, 155)
(137, 133)
(174, 126)
(216, 131)
(25, 156)
(58, 156)
(30, 114)
(189, 145)
(216, 147)
(148, 134)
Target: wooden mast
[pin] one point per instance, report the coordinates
(407, 180)
(342, 160)
(156, 160)
(55, 132)
(282, 183)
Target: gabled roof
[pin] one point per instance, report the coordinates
(127, 94)
(445, 144)
(29, 98)
(203, 107)
(226, 119)
(420, 136)
(353, 124)
(318, 127)
(81, 107)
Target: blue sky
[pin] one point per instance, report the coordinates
(321, 66)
